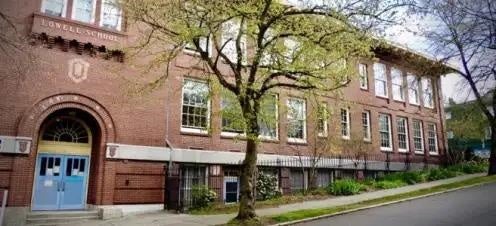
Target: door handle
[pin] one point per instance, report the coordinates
(58, 186)
(63, 186)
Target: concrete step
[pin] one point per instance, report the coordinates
(60, 217)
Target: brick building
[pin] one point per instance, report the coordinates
(72, 136)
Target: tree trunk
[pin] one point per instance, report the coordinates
(492, 158)
(247, 200)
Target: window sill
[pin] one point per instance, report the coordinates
(414, 104)
(232, 135)
(399, 101)
(403, 151)
(296, 141)
(322, 135)
(364, 89)
(386, 149)
(345, 137)
(429, 107)
(419, 153)
(367, 140)
(195, 132)
(434, 153)
(382, 97)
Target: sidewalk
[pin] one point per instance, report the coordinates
(169, 219)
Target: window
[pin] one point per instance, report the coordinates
(448, 115)
(297, 180)
(292, 47)
(432, 138)
(364, 80)
(84, 10)
(418, 139)
(229, 36)
(268, 118)
(111, 15)
(54, 7)
(413, 89)
(232, 125)
(385, 132)
(366, 125)
(402, 127)
(323, 116)
(296, 120)
(427, 94)
(196, 107)
(397, 83)
(451, 135)
(345, 123)
(380, 80)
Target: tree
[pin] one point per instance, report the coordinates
(464, 31)
(260, 46)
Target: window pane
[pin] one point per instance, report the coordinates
(345, 123)
(413, 89)
(402, 133)
(362, 70)
(384, 131)
(380, 79)
(417, 136)
(296, 118)
(195, 104)
(366, 125)
(111, 14)
(83, 10)
(268, 117)
(53, 7)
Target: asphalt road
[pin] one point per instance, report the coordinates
(473, 206)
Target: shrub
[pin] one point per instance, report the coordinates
(438, 174)
(412, 177)
(344, 187)
(267, 187)
(318, 192)
(202, 196)
(385, 184)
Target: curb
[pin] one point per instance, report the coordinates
(377, 205)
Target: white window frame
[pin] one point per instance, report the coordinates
(295, 139)
(276, 98)
(364, 78)
(194, 130)
(421, 137)
(93, 12)
(380, 78)
(405, 124)
(413, 85)
(347, 122)
(325, 119)
(119, 21)
(397, 84)
(436, 148)
(366, 126)
(225, 37)
(64, 8)
(390, 148)
(428, 90)
(190, 49)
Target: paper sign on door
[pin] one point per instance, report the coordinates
(48, 183)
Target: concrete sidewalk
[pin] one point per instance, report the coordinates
(166, 219)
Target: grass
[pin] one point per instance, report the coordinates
(309, 213)
(220, 208)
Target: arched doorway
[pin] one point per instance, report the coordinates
(64, 151)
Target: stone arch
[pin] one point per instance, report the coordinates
(30, 123)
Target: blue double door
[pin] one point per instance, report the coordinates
(61, 182)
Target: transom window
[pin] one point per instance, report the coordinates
(432, 138)
(427, 94)
(380, 80)
(296, 120)
(402, 128)
(364, 80)
(413, 89)
(418, 139)
(397, 84)
(54, 7)
(345, 123)
(111, 15)
(366, 125)
(85, 11)
(65, 130)
(195, 106)
(385, 132)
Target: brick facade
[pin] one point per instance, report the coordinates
(43, 86)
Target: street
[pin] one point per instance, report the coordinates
(472, 206)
